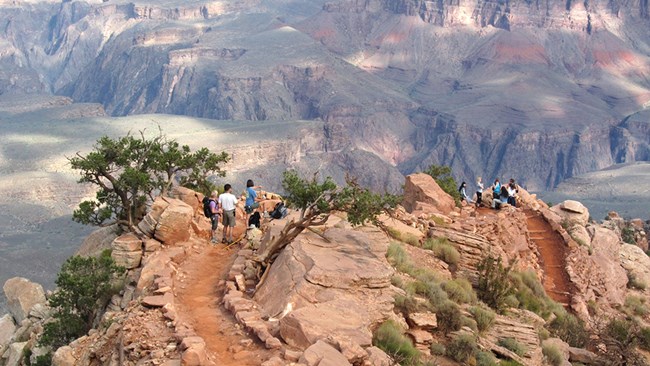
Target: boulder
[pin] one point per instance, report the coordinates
(338, 286)
(174, 224)
(64, 357)
(98, 241)
(151, 245)
(583, 356)
(7, 329)
(422, 187)
(21, 295)
(190, 197)
(423, 320)
(194, 352)
(573, 212)
(322, 354)
(127, 251)
(580, 235)
(377, 357)
(14, 354)
(636, 263)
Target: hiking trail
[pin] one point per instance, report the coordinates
(199, 300)
(552, 252)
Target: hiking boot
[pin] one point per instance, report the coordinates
(214, 241)
(224, 241)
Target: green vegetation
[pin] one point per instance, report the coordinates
(443, 249)
(621, 337)
(460, 291)
(390, 339)
(644, 338)
(509, 363)
(449, 317)
(462, 348)
(569, 328)
(636, 305)
(84, 287)
(130, 170)
(437, 349)
(513, 345)
(484, 317)
(627, 234)
(485, 359)
(494, 285)
(399, 259)
(442, 176)
(635, 283)
(552, 355)
(531, 296)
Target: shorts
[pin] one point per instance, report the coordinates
(252, 207)
(215, 222)
(229, 218)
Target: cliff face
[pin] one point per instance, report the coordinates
(491, 88)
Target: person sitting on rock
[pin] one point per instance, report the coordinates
(512, 193)
(504, 193)
(463, 193)
(496, 193)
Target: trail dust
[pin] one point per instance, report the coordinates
(553, 254)
(200, 305)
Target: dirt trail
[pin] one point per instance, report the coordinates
(552, 257)
(199, 304)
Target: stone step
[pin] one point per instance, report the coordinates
(536, 231)
(537, 238)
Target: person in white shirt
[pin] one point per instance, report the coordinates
(479, 191)
(228, 201)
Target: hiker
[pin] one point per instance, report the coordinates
(504, 193)
(479, 192)
(463, 193)
(228, 202)
(496, 192)
(512, 192)
(252, 201)
(214, 217)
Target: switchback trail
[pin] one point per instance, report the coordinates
(199, 303)
(552, 253)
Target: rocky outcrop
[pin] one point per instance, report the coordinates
(127, 251)
(422, 189)
(168, 221)
(573, 212)
(22, 295)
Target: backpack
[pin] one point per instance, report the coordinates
(207, 211)
(254, 220)
(280, 211)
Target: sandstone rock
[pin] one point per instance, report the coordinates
(322, 354)
(377, 357)
(561, 346)
(128, 260)
(64, 357)
(584, 356)
(127, 251)
(21, 295)
(173, 226)
(40, 311)
(7, 329)
(14, 354)
(274, 361)
(127, 242)
(98, 241)
(254, 237)
(572, 212)
(190, 197)
(423, 188)
(158, 301)
(420, 336)
(423, 320)
(636, 263)
(580, 235)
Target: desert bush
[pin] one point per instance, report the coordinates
(460, 290)
(621, 337)
(84, 286)
(399, 259)
(513, 345)
(509, 363)
(531, 296)
(634, 282)
(443, 249)
(449, 317)
(411, 239)
(397, 281)
(484, 317)
(627, 234)
(552, 355)
(494, 284)
(390, 339)
(431, 290)
(569, 328)
(644, 338)
(408, 304)
(468, 322)
(543, 333)
(442, 176)
(485, 359)
(437, 349)
(635, 305)
(462, 347)
(439, 221)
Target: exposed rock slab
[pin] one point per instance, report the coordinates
(423, 188)
(7, 329)
(21, 295)
(572, 212)
(322, 354)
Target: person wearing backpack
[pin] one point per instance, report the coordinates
(252, 201)
(211, 211)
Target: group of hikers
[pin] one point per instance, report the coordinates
(224, 205)
(501, 193)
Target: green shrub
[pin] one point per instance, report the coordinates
(443, 250)
(437, 349)
(408, 304)
(449, 317)
(513, 345)
(634, 282)
(411, 239)
(439, 221)
(484, 317)
(431, 290)
(621, 338)
(84, 287)
(530, 294)
(462, 347)
(543, 333)
(635, 305)
(552, 355)
(494, 284)
(397, 281)
(468, 322)
(644, 338)
(627, 234)
(390, 339)
(485, 359)
(399, 259)
(509, 363)
(569, 329)
(442, 176)
(460, 290)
